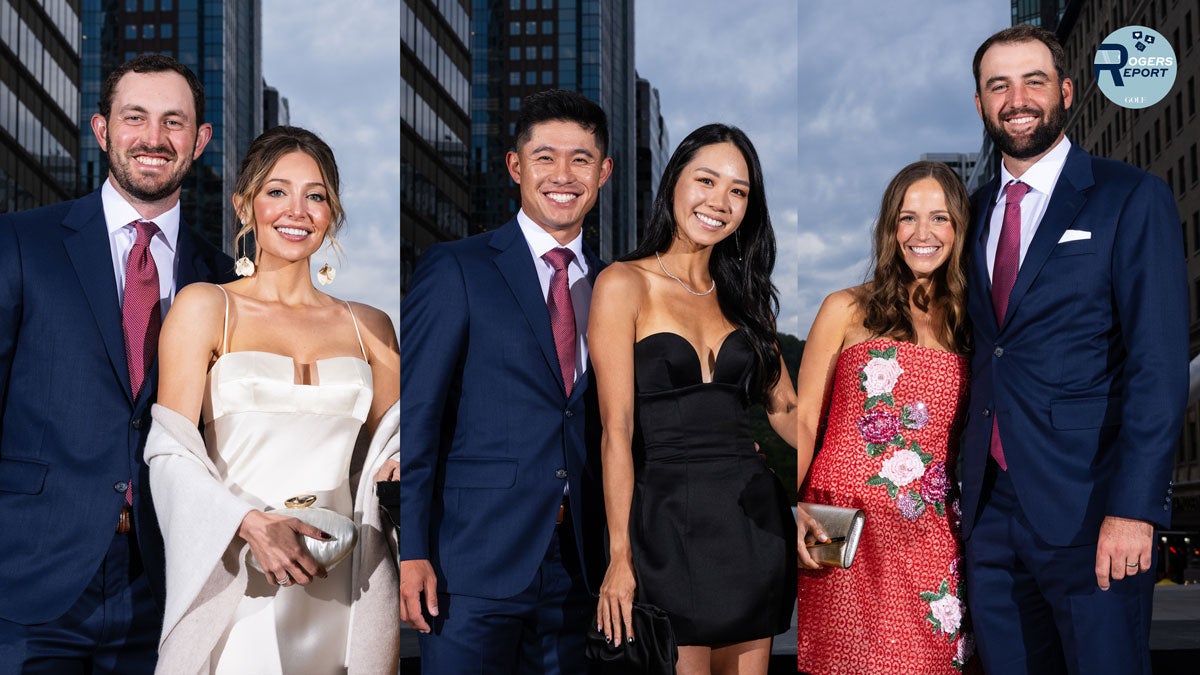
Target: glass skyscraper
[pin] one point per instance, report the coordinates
(434, 126)
(39, 102)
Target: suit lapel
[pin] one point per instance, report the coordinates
(516, 266)
(86, 242)
(1066, 200)
(980, 279)
(192, 266)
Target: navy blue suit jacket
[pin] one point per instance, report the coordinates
(1088, 372)
(71, 432)
(488, 436)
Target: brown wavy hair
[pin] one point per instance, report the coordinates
(885, 297)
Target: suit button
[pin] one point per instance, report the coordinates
(120, 486)
(986, 412)
(998, 351)
(568, 414)
(136, 423)
(560, 473)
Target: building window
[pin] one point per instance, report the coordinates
(548, 52)
(148, 31)
(514, 27)
(514, 4)
(531, 28)
(531, 78)
(131, 32)
(531, 4)
(548, 78)
(547, 28)
(147, 5)
(514, 77)
(167, 5)
(130, 5)
(165, 30)
(514, 53)
(531, 52)
(514, 102)
(547, 4)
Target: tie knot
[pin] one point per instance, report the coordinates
(1015, 191)
(558, 258)
(145, 231)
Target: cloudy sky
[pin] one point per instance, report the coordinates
(339, 67)
(837, 98)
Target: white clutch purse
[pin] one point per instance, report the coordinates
(327, 552)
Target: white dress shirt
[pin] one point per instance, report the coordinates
(540, 242)
(119, 216)
(1041, 178)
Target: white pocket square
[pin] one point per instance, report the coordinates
(1074, 235)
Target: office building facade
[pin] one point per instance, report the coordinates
(653, 148)
(435, 126)
(40, 44)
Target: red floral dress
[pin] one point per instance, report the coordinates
(900, 608)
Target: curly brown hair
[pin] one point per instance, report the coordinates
(885, 298)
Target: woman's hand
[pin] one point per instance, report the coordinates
(389, 471)
(275, 542)
(808, 532)
(614, 612)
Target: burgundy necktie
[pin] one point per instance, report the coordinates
(141, 314)
(562, 313)
(1004, 275)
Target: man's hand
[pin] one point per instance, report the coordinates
(416, 577)
(1124, 549)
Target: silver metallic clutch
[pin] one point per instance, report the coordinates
(329, 552)
(843, 526)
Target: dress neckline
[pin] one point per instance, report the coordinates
(699, 358)
(891, 341)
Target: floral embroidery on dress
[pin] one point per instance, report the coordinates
(947, 610)
(908, 467)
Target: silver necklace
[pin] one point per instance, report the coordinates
(685, 286)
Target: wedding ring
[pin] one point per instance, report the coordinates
(287, 579)
(1131, 564)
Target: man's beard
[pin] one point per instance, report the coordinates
(123, 174)
(1044, 134)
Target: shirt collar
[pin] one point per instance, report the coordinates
(540, 241)
(1042, 176)
(119, 213)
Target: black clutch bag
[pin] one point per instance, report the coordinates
(652, 652)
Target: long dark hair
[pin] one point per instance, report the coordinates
(885, 300)
(741, 265)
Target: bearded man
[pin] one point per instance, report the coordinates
(83, 288)
(1078, 298)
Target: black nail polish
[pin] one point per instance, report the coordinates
(326, 535)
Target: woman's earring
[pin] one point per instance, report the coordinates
(326, 274)
(737, 242)
(244, 267)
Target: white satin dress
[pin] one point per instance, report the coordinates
(271, 439)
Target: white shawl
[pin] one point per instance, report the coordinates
(206, 562)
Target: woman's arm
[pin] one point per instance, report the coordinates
(814, 384)
(383, 353)
(611, 334)
(191, 337)
(782, 410)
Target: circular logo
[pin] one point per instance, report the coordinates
(1135, 67)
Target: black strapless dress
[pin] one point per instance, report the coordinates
(712, 533)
